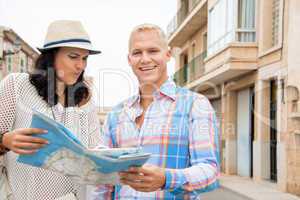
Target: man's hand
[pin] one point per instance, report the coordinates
(147, 178)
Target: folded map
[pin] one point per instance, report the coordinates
(67, 155)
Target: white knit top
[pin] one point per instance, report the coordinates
(17, 99)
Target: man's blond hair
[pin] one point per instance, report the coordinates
(149, 27)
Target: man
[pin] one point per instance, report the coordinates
(177, 126)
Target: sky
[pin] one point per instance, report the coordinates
(108, 23)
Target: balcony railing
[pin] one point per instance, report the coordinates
(221, 42)
(191, 71)
(244, 35)
(181, 15)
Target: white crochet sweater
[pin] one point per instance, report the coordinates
(17, 99)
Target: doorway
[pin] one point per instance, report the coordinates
(273, 131)
(245, 129)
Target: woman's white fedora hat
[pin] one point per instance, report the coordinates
(67, 33)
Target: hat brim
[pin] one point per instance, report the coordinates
(85, 46)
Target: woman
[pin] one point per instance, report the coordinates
(57, 89)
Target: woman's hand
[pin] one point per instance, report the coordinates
(21, 140)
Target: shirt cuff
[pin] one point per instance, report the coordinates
(175, 179)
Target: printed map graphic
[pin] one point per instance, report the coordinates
(67, 155)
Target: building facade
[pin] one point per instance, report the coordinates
(242, 54)
(15, 54)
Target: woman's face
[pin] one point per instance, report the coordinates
(69, 64)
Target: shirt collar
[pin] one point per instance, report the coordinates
(133, 100)
(168, 89)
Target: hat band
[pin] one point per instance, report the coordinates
(66, 41)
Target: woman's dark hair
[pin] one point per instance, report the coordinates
(43, 78)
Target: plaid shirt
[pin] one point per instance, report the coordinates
(180, 131)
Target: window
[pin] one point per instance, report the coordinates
(9, 64)
(22, 65)
(275, 22)
(204, 47)
(230, 21)
(246, 20)
(23, 58)
(271, 27)
(220, 25)
(185, 68)
(183, 11)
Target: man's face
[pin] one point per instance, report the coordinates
(148, 57)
